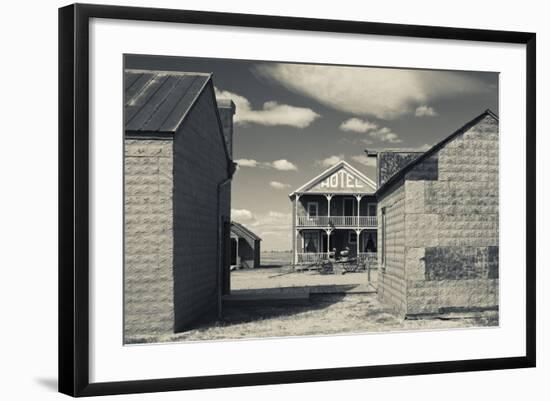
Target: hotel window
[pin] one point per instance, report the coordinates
(312, 209)
(352, 237)
(311, 241)
(383, 244)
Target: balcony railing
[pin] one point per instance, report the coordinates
(337, 221)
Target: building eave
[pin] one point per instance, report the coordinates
(303, 189)
(401, 173)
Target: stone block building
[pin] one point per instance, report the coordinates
(178, 168)
(438, 224)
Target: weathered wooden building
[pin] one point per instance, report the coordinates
(178, 169)
(245, 247)
(438, 224)
(334, 211)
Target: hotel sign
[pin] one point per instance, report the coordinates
(342, 180)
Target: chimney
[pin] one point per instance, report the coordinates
(226, 109)
(375, 154)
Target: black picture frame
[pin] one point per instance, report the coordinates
(74, 198)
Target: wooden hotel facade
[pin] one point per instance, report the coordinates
(332, 213)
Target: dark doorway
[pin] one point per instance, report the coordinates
(234, 245)
(349, 207)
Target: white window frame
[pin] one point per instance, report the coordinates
(316, 204)
(318, 240)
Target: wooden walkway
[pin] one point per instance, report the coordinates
(292, 295)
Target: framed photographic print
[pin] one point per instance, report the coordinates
(249, 199)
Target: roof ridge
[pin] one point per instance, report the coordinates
(167, 72)
(435, 148)
(329, 170)
(246, 230)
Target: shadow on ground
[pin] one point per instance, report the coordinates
(251, 312)
(299, 289)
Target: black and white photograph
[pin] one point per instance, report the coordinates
(280, 199)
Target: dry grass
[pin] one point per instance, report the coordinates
(326, 314)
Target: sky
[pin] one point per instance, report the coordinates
(295, 120)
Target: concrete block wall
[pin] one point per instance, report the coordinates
(391, 281)
(148, 237)
(451, 224)
(200, 163)
(450, 250)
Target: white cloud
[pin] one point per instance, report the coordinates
(278, 215)
(364, 160)
(271, 114)
(273, 227)
(284, 165)
(330, 161)
(384, 93)
(278, 185)
(420, 148)
(358, 125)
(356, 141)
(383, 134)
(425, 111)
(242, 215)
(246, 162)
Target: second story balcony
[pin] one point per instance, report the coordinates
(337, 221)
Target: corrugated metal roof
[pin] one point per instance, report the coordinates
(242, 231)
(158, 101)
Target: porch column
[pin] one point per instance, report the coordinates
(328, 231)
(329, 197)
(358, 233)
(296, 231)
(296, 209)
(358, 197)
(296, 250)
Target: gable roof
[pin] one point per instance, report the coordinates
(242, 231)
(342, 164)
(391, 162)
(158, 101)
(408, 167)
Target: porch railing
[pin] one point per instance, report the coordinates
(371, 257)
(311, 257)
(337, 221)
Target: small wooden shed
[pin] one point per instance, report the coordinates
(245, 247)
